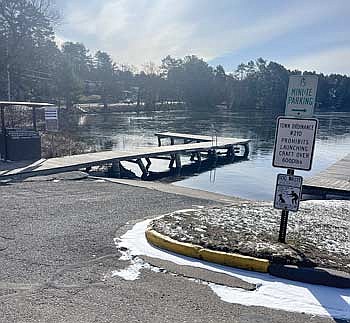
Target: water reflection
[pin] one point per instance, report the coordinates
(254, 178)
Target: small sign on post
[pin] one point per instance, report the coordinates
(301, 96)
(288, 192)
(294, 143)
(51, 118)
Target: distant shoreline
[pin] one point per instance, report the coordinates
(88, 108)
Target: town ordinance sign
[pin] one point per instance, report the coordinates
(294, 143)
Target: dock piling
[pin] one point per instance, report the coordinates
(178, 161)
(172, 160)
(142, 167)
(246, 151)
(149, 163)
(116, 169)
(230, 154)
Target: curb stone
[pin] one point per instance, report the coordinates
(194, 251)
(318, 276)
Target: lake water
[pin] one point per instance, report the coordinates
(254, 178)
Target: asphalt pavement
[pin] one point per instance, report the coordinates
(57, 248)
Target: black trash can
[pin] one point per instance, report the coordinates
(21, 144)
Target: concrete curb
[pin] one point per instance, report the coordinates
(194, 251)
(318, 276)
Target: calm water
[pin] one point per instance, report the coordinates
(253, 179)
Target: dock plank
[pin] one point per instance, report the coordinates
(336, 177)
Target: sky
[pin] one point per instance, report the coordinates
(311, 35)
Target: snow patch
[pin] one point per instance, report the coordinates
(273, 292)
(132, 272)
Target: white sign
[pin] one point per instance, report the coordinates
(51, 118)
(301, 96)
(294, 143)
(51, 113)
(288, 192)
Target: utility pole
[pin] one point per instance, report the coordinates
(8, 71)
(8, 82)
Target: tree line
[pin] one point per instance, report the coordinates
(34, 68)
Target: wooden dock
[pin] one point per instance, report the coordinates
(188, 138)
(332, 182)
(140, 156)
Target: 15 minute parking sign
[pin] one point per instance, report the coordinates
(301, 96)
(288, 192)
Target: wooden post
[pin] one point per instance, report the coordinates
(116, 169)
(196, 155)
(149, 163)
(178, 160)
(34, 118)
(212, 156)
(172, 142)
(159, 141)
(142, 167)
(246, 150)
(2, 117)
(230, 154)
(172, 160)
(3, 130)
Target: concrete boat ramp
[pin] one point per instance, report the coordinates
(196, 146)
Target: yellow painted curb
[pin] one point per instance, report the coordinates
(235, 260)
(195, 251)
(167, 243)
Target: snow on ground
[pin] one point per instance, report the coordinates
(272, 292)
(133, 271)
(317, 235)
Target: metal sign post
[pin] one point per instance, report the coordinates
(284, 219)
(283, 227)
(294, 145)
